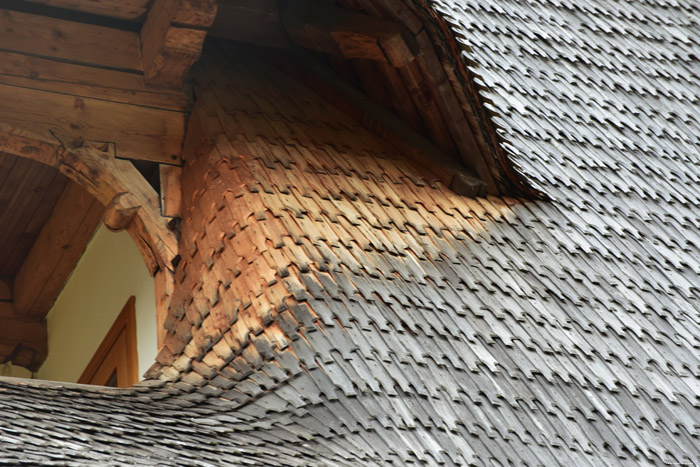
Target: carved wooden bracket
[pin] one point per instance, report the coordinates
(120, 212)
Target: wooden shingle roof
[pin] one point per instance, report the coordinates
(333, 307)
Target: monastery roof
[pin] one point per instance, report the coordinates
(348, 312)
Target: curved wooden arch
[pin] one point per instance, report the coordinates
(131, 203)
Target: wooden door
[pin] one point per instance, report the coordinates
(115, 363)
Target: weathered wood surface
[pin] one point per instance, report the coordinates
(69, 41)
(170, 190)
(345, 33)
(383, 123)
(317, 26)
(136, 132)
(120, 212)
(172, 39)
(133, 10)
(56, 251)
(87, 81)
(104, 177)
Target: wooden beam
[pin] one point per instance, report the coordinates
(344, 33)
(137, 132)
(56, 251)
(172, 39)
(170, 190)
(86, 81)
(132, 10)
(164, 285)
(120, 212)
(69, 41)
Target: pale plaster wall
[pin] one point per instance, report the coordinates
(109, 272)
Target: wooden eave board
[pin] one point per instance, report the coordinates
(132, 10)
(85, 81)
(137, 132)
(28, 194)
(71, 41)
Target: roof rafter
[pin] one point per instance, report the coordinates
(56, 251)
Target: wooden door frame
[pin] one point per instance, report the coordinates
(125, 324)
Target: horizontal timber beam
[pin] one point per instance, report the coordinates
(317, 26)
(85, 81)
(347, 34)
(136, 132)
(132, 10)
(69, 41)
(56, 251)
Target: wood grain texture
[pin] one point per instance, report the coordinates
(138, 132)
(345, 33)
(170, 190)
(28, 193)
(56, 251)
(104, 177)
(86, 81)
(69, 41)
(169, 44)
(133, 10)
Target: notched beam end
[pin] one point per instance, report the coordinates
(171, 41)
(120, 212)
